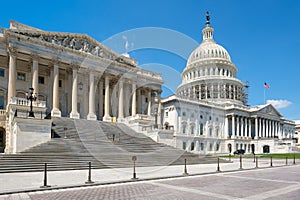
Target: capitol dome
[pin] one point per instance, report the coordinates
(209, 74)
(208, 49)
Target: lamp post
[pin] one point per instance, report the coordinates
(31, 97)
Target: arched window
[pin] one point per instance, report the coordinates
(217, 147)
(192, 130)
(192, 146)
(217, 132)
(210, 131)
(183, 128)
(201, 129)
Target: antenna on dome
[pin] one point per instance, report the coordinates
(207, 18)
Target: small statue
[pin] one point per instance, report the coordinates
(207, 18)
(73, 43)
(65, 41)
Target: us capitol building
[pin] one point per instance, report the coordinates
(74, 76)
(209, 114)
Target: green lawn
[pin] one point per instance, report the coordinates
(277, 156)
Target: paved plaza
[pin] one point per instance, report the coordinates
(279, 182)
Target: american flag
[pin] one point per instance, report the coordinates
(267, 85)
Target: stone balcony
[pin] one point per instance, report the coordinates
(24, 102)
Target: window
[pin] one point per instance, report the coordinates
(210, 131)
(192, 130)
(192, 146)
(146, 100)
(217, 119)
(21, 76)
(2, 72)
(183, 128)
(167, 114)
(183, 114)
(201, 129)
(217, 147)
(201, 146)
(217, 132)
(60, 83)
(192, 115)
(41, 80)
(1, 102)
(210, 147)
(201, 116)
(183, 145)
(209, 117)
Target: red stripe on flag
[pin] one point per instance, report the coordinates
(267, 85)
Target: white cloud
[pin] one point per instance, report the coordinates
(279, 103)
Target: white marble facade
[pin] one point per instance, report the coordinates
(73, 76)
(209, 114)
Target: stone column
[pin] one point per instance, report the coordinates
(55, 107)
(107, 116)
(35, 74)
(242, 127)
(249, 128)
(273, 129)
(12, 75)
(226, 135)
(276, 129)
(256, 136)
(133, 103)
(92, 115)
(149, 103)
(100, 111)
(74, 113)
(139, 97)
(233, 127)
(121, 99)
(267, 128)
(159, 110)
(237, 126)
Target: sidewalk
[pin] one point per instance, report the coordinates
(20, 182)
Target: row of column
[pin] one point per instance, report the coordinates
(208, 71)
(266, 128)
(213, 91)
(74, 112)
(242, 126)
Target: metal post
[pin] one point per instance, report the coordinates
(286, 160)
(294, 162)
(218, 168)
(134, 158)
(89, 181)
(185, 173)
(45, 177)
(256, 159)
(229, 157)
(271, 162)
(241, 163)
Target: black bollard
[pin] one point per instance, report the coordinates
(89, 181)
(45, 177)
(185, 173)
(286, 160)
(256, 160)
(134, 158)
(218, 167)
(271, 162)
(294, 162)
(241, 163)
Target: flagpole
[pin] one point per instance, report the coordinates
(264, 95)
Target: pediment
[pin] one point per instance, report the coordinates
(270, 110)
(77, 42)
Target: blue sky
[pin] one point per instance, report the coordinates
(261, 36)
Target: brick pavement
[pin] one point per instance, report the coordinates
(269, 183)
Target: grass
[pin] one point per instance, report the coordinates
(276, 156)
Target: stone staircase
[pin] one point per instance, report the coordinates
(106, 145)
